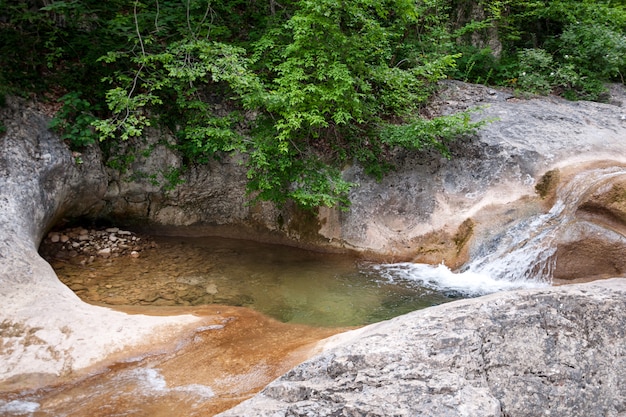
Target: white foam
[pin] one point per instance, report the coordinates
(152, 382)
(18, 407)
(441, 278)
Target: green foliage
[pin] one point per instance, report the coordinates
(594, 48)
(536, 71)
(589, 54)
(278, 176)
(301, 87)
(568, 47)
(334, 72)
(330, 70)
(75, 120)
(56, 47)
(172, 177)
(422, 134)
(477, 65)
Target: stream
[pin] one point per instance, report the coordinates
(267, 306)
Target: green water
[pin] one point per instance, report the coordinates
(289, 284)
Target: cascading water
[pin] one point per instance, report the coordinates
(522, 256)
(290, 285)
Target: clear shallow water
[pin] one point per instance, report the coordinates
(289, 284)
(227, 362)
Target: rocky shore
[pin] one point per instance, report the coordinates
(84, 245)
(551, 352)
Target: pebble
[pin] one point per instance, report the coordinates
(211, 289)
(105, 251)
(86, 244)
(77, 287)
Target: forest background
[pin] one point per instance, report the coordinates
(300, 88)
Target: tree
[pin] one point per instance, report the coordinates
(328, 84)
(302, 88)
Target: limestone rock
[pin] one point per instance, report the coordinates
(415, 212)
(45, 330)
(559, 351)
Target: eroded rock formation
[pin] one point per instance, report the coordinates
(594, 244)
(559, 352)
(46, 331)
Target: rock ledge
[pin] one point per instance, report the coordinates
(559, 351)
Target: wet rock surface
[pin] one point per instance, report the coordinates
(227, 360)
(593, 245)
(558, 352)
(46, 331)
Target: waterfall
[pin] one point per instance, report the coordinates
(522, 256)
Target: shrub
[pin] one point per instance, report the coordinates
(74, 121)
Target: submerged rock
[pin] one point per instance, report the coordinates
(559, 351)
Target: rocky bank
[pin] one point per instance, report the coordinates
(557, 352)
(46, 331)
(563, 346)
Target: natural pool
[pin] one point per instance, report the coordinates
(292, 299)
(289, 284)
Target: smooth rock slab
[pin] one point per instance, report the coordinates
(559, 351)
(46, 331)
